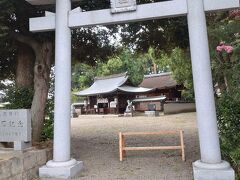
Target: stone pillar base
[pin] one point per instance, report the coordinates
(61, 170)
(151, 113)
(204, 171)
(20, 145)
(128, 114)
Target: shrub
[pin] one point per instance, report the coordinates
(228, 113)
(19, 98)
(47, 133)
(48, 124)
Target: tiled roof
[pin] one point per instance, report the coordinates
(109, 84)
(158, 81)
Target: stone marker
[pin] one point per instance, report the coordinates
(15, 126)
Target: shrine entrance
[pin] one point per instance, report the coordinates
(210, 166)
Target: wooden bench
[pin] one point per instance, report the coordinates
(123, 148)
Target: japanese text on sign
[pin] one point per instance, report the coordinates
(15, 125)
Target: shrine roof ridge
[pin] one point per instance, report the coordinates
(111, 76)
(159, 74)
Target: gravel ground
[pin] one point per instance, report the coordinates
(95, 142)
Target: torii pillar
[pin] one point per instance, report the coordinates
(210, 166)
(62, 166)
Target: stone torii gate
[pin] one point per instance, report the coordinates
(210, 166)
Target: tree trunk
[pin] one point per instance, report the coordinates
(25, 64)
(154, 68)
(42, 67)
(42, 70)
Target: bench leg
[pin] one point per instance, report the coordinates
(120, 147)
(182, 145)
(123, 145)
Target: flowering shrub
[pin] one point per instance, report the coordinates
(224, 65)
(234, 13)
(228, 113)
(228, 109)
(222, 47)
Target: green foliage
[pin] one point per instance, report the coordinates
(49, 121)
(188, 95)
(134, 65)
(74, 98)
(159, 58)
(229, 118)
(82, 76)
(162, 34)
(126, 61)
(179, 63)
(91, 44)
(114, 65)
(48, 124)
(228, 112)
(19, 98)
(136, 70)
(225, 29)
(226, 68)
(14, 21)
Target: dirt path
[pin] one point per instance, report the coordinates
(95, 142)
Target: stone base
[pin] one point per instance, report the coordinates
(151, 113)
(62, 172)
(128, 114)
(204, 171)
(20, 145)
(22, 165)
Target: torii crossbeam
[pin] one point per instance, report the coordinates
(158, 10)
(211, 166)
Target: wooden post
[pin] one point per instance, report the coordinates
(182, 145)
(120, 147)
(117, 103)
(123, 146)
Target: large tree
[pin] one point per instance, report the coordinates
(162, 34)
(134, 64)
(27, 57)
(28, 53)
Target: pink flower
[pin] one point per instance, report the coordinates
(222, 46)
(219, 48)
(234, 13)
(228, 49)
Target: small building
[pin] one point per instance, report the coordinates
(164, 86)
(110, 94)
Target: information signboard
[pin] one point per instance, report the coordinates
(15, 125)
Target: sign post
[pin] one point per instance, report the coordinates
(210, 166)
(15, 126)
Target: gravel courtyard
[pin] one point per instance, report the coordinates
(95, 142)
